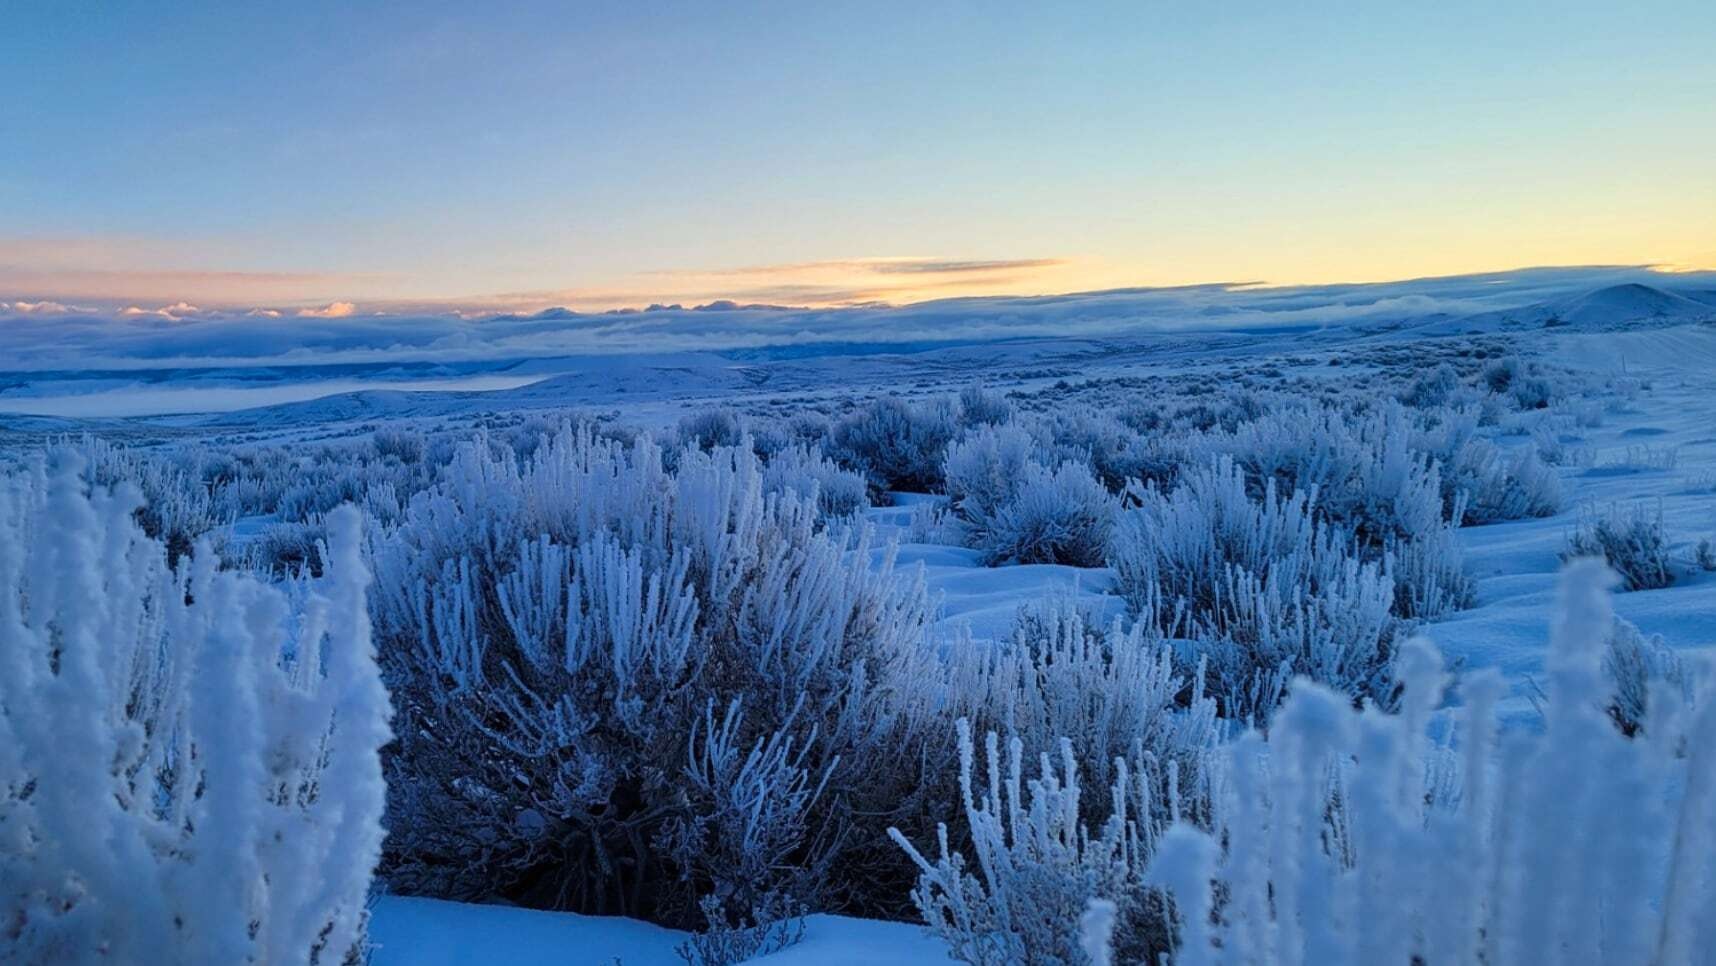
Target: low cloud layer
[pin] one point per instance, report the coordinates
(35, 335)
(333, 310)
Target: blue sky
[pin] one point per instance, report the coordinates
(520, 155)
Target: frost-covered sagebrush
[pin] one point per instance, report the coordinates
(1016, 510)
(1115, 691)
(625, 689)
(1368, 474)
(1079, 707)
(981, 407)
(709, 428)
(1638, 667)
(983, 468)
(898, 444)
(1351, 837)
(1034, 867)
(176, 508)
(189, 766)
(1262, 588)
(1523, 383)
(1496, 485)
(810, 475)
(1354, 838)
(1630, 541)
(1433, 389)
(1114, 451)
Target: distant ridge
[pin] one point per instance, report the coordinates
(1627, 305)
(1630, 305)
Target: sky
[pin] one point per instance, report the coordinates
(323, 160)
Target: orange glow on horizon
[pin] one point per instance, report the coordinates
(890, 280)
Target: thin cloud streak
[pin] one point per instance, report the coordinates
(116, 274)
(953, 267)
(896, 265)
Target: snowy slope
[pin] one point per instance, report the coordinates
(1689, 349)
(1656, 452)
(1624, 307)
(1632, 304)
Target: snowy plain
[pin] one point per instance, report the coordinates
(1644, 436)
(1659, 448)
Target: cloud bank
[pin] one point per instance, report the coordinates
(37, 336)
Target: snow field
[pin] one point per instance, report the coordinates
(677, 682)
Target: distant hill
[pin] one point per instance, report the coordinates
(1626, 306)
(1631, 305)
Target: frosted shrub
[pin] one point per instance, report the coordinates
(724, 942)
(1086, 706)
(1226, 410)
(176, 509)
(525, 436)
(983, 467)
(1635, 666)
(807, 426)
(1552, 444)
(260, 477)
(1114, 692)
(1368, 475)
(1264, 587)
(1354, 838)
(1522, 382)
(809, 475)
(404, 445)
(625, 690)
(930, 522)
(1497, 486)
(304, 487)
(1631, 542)
(710, 428)
(1432, 389)
(1059, 516)
(318, 493)
(770, 437)
(1015, 510)
(1112, 450)
(1657, 459)
(981, 407)
(252, 493)
(1439, 433)
(1534, 390)
(1429, 574)
(287, 549)
(899, 445)
(1588, 414)
(1037, 868)
(189, 766)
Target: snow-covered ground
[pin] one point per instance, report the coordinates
(1656, 452)
(1654, 446)
(1643, 436)
(429, 932)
